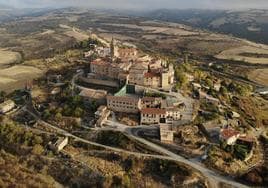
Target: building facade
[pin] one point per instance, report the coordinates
(153, 116)
(166, 133)
(124, 104)
(7, 106)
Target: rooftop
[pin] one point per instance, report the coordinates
(228, 133)
(8, 102)
(96, 94)
(246, 139)
(123, 99)
(151, 75)
(99, 62)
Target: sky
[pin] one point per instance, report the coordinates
(140, 4)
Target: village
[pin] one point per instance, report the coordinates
(123, 89)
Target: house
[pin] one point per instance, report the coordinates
(213, 128)
(90, 95)
(262, 91)
(55, 91)
(229, 136)
(152, 79)
(124, 104)
(136, 73)
(117, 71)
(103, 52)
(246, 140)
(166, 133)
(89, 53)
(126, 53)
(151, 102)
(217, 86)
(7, 106)
(153, 116)
(59, 144)
(100, 111)
(102, 114)
(173, 114)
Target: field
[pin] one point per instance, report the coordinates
(159, 29)
(17, 76)
(250, 54)
(8, 57)
(260, 76)
(42, 37)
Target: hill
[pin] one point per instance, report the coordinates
(249, 24)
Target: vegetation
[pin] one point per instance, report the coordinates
(11, 133)
(71, 106)
(88, 44)
(149, 94)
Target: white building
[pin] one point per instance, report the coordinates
(153, 116)
(59, 144)
(7, 106)
(229, 136)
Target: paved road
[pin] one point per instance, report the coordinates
(213, 177)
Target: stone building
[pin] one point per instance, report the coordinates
(151, 102)
(124, 104)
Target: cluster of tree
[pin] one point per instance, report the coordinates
(180, 76)
(243, 90)
(2, 96)
(89, 44)
(211, 111)
(150, 94)
(11, 133)
(239, 151)
(73, 106)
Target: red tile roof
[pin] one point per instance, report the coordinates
(151, 75)
(228, 133)
(246, 139)
(99, 62)
(157, 111)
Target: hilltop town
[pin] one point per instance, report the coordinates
(109, 113)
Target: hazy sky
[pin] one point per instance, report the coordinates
(142, 4)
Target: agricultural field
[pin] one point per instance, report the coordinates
(17, 76)
(8, 57)
(259, 76)
(249, 54)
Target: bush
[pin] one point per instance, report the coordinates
(37, 149)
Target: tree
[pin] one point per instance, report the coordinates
(182, 79)
(223, 91)
(2, 96)
(46, 114)
(37, 140)
(209, 82)
(78, 112)
(58, 116)
(112, 48)
(37, 149)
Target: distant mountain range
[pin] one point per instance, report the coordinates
(248, 24)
